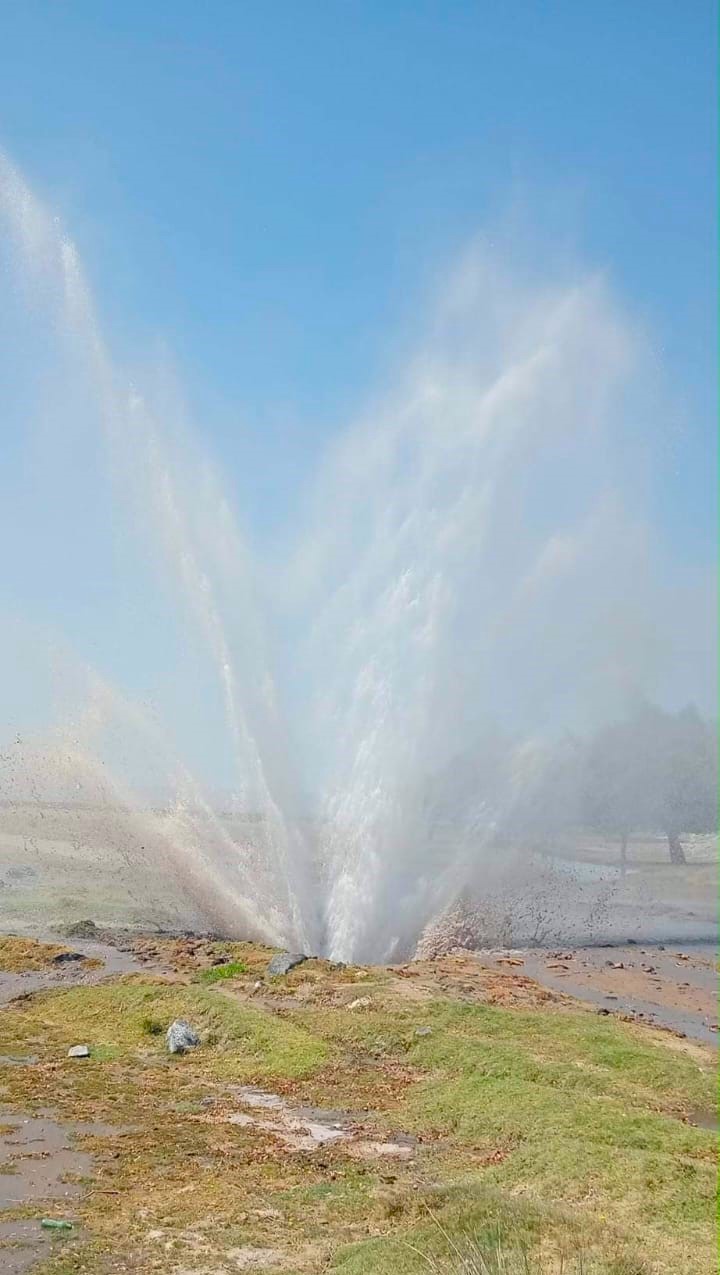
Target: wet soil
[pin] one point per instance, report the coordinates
(662, 985)
(38, 1164)
(310, 1128)
(114, 960)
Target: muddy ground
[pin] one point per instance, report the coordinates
(100, 1152)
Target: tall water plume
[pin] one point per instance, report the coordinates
(473, 572)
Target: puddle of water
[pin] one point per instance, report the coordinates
(703, 1119)
(40, 1156)
(22, 1244)
(70, 973)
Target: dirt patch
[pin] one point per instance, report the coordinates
(659, 985)
(462, 976)
(310, 1128)
(20, 955)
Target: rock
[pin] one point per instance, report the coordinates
(63, 958)
(423, 1031)
(181, 1037)
(79, 1051)
(284, 962)
(362, 1002)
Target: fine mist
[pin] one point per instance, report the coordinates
(329, 739)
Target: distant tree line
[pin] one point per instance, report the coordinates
(654, 772)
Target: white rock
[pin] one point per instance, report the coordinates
(362, 1002)
(79, 1051)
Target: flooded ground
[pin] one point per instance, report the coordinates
(662, 984)
(38, 1164)
(112, 958)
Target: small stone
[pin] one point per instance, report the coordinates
(362, 1002)
(283, 962)
(181, 1037)
(64, 958)
(423, 1031)
(79, 1051)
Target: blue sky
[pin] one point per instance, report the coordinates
(273, 189)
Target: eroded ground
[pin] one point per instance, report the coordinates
(345, 1119)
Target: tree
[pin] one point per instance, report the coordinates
(681, 764)
(655, 770)
(614, 797)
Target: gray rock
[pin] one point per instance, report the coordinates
(79, 1051)
(423, 1031)
(285, 961)
(181, 1037)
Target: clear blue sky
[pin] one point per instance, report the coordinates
(273, 191)
(270, 187)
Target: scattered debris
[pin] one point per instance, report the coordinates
(181, 1037)
(283, 962)
(79, 1051)
(510, 960)
(615, 965)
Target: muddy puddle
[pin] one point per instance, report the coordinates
(38, 1164)
(70, 973)
(310, 1128)
(664, 985)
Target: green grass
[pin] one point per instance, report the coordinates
(220, 973)
(540, 1132)
(119, 1019)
